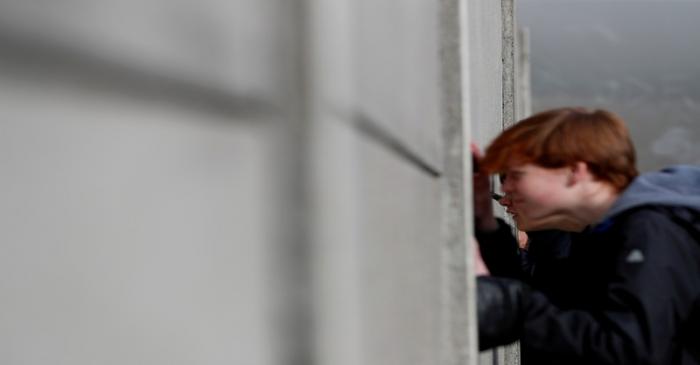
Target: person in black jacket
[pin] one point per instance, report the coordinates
(538, 255)
(629, 290)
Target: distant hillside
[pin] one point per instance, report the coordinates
(638, 58)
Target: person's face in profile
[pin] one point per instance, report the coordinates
(535, 196)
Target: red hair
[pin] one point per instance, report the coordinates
(561, 137)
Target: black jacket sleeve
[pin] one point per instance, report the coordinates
(500, 310)
(650, 295)
(500, 252)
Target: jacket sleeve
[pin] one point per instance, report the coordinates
(646, 301)
(500, 310)
(500, 252)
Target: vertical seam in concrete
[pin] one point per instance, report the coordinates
(523, 73)
(508, 58)
(510, 354)
(459, 339)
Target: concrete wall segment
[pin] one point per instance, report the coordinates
(459, 334)
(245, 47)
(509, 65)
(133, 231)
(485, 42)
(400, 259)
(397, 71)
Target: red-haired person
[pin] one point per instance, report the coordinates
(629, 292)
(539, 254)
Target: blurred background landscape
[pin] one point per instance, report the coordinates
(638, 58)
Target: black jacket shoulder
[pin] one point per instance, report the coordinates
(640, 305)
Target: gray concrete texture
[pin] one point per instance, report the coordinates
(246, 47)
(378, 203)
(144, 163)
(123, 238)
(400, 259)
(378, 256)
(397, 69)
(486, 69)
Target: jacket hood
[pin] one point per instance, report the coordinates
(675, 186)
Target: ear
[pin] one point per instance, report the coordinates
(579, 173)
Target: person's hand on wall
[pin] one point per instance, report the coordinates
(523, 240)
(483, 209)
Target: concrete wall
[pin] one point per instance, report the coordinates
(248, 182)
(145, 189)
(493, 94)
(386, 291)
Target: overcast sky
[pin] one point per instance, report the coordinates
(639, 58)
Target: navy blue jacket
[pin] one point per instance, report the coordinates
(628, 293)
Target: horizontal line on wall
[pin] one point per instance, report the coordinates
(375, 132)
(37, 58)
